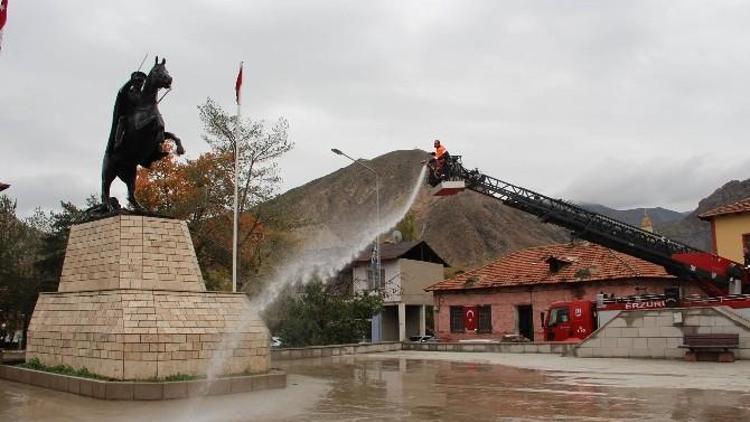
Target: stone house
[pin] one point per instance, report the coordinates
(508, 295)
(407, 268)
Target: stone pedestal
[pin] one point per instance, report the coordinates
(132, 305)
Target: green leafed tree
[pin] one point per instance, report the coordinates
(316, 317)
(31, 257)
(19, 284)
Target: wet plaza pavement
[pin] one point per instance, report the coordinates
(437, 386)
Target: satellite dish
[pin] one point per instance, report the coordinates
(397, 236)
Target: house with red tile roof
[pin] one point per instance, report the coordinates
(507, 296)
(730, 230)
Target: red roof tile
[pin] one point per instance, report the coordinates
(733, 208)
(578, 262)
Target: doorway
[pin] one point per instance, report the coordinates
(526, 321)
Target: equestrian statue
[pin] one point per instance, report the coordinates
(137, 135)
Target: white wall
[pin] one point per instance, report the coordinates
(405, 280)
(392, 279)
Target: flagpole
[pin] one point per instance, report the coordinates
(236, 183)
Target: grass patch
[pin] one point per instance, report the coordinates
(181, 377)
(35, 364)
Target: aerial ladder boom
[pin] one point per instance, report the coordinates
(711, 271)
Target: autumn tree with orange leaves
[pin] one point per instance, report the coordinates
(201, 191)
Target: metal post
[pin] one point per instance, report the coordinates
(377, 236)
(376, 331)
(236, 200)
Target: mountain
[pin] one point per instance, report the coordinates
(659, 216)
(466, 230)
(696, 232)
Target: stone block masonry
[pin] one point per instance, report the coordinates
(659, 334)
(131, 252)
(138, 335)
(132, 305)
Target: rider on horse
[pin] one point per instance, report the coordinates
(137, 134)
(128, 98)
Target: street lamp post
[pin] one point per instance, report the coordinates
(375, 261)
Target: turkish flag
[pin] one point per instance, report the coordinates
(471, 315)
(3, 18)
(238, 85)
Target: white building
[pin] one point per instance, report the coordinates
(406, 269)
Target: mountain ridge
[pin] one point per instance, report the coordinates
(468, 229)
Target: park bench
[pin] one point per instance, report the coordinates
(710, 346)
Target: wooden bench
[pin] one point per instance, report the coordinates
(715, 346)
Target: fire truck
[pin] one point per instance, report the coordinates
(723, 280)
(577, 319)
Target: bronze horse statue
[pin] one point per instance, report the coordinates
(137, 135)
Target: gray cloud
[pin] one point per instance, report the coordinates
(627, 183)
(540, 94)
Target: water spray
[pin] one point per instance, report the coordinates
(303, 268)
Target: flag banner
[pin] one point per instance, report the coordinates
(238, 85)
(3, 18)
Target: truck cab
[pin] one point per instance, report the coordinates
(569, 320)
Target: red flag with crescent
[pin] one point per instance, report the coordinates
(238, 85)
(3, 19)
(471, 316)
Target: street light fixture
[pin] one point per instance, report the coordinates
(376, 322)
(3, 186)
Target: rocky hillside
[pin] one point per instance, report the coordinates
(467, 230)
(696, 232)
(660, 217)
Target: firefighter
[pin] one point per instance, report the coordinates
(441, 155)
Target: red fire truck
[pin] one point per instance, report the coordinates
(575, 320)
(719, 277)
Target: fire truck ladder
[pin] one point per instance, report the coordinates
(676, 258)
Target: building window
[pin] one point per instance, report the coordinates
(485, 319)
(373, 282)
(746, 248)
(457, 319)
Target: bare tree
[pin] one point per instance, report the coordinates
(259, 148)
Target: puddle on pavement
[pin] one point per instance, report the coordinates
(377, 389)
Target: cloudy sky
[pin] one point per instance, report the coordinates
(624, 103)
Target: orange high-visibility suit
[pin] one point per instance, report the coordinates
(440, 151)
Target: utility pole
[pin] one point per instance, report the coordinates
(375, 263)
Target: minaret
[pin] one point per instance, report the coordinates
(646, 223)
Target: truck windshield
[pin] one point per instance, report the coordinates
(557, 316)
